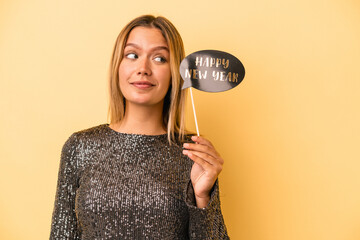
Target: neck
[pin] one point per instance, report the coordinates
(140, 119)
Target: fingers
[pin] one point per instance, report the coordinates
(201, 157)
(201, 140)
(207, 165)
(210, 164)
(204, 153)
(201, 161)
(203, 146)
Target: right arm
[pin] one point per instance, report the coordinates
(64, 221)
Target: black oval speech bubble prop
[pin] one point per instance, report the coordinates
(211, 71)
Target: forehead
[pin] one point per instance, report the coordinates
(145, 36)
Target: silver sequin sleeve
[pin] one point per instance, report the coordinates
(64, 221)
(114, 185)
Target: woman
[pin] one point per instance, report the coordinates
(137, 177)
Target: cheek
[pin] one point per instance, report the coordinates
(166, 76)
(123, 72)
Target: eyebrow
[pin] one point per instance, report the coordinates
(153, 49)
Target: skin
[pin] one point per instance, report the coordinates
(145, 75)
(207, 167)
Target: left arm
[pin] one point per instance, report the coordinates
(202, 192)
(208, 165)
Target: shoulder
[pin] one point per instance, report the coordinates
(92, 131)
(84, 143)
(87, 136)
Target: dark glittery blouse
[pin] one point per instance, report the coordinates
(115, 185)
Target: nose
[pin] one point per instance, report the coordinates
(144, 67)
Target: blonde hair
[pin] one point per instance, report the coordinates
(174, 102)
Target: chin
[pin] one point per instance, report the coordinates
(144, 99)
(144, 102)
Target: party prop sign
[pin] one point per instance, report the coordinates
(211, 71)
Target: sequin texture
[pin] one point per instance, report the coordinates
(115, 185)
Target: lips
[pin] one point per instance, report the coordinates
(142, 84)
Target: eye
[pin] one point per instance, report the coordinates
(160, 59)
(131, 56)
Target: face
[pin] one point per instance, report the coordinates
(144, 71)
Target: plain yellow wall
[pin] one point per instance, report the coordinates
(289, 133)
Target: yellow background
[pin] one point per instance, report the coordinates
(289, 133)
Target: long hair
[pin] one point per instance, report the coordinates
(174, 102)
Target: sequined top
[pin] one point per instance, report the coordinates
(115, 185)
